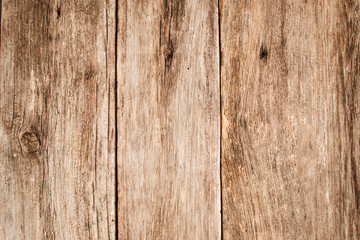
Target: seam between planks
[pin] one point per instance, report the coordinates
(116, 125)
(0, 25)
(220, 167)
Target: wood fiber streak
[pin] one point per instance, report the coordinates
(168, 120)
(290, 119)
(57, 119)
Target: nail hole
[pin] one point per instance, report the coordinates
(263, 52)
(58, 12)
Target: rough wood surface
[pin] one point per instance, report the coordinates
(289, 123)
(290, 119)
(57, 119)
(168, 120)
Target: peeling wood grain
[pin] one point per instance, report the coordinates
(290, 119)
(168, 120)
(57, 119)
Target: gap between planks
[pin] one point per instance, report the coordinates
(116, 124)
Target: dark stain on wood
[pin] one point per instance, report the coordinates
(89, 73)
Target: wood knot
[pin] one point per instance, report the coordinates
(263, 52)
(168, 53)
(30, 142)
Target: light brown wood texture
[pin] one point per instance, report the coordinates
(168, 120)
(290, 119)
(57, 126)
(229, 119)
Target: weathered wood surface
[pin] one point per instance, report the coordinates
(57, 119)
(290, 127)
(168, 120)
(290, 119)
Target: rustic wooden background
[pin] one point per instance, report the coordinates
(180, 119)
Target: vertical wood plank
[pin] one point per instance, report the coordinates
(57, 119)
(290, 119)
(168, 120)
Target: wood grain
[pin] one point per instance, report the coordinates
(290, 119)
(83, 114)
(168, 120)
(57, 119)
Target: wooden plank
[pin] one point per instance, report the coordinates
(57, 141)
(290, 119)
(168, 120)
